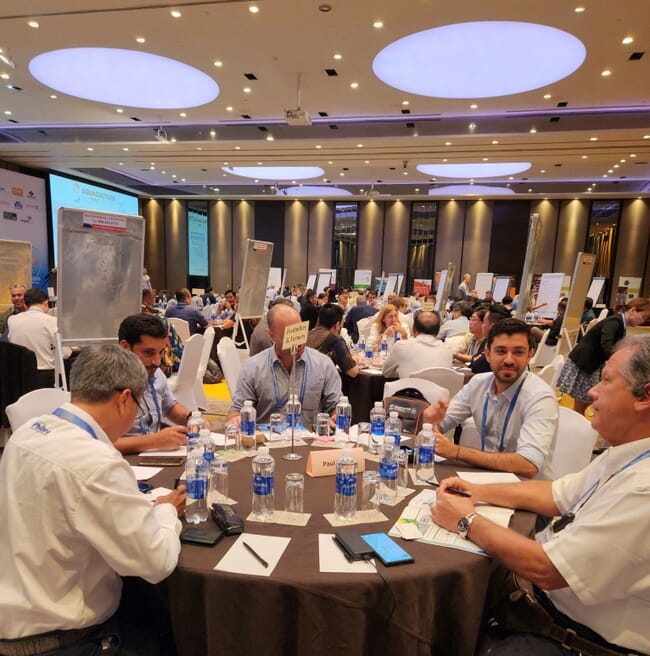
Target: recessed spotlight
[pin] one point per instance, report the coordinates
(4, 76)
(125, 149)
(173, 175)
(405, 172)
(33, 24)
(140, 39)
(119, 110)
(330, 161)
(605, 175)
(269, 137)
(529, 191)
(579, 10)
(473, 106)
(254, 9)
(218, 63)
(533, 130)
(152, 168)
(367, 161)
(199, 148)
(354, 85)
(338, 55)
(359, 145)
(472, 126)
(444, 159)
(606, 73)
(627, 40)
(90, 148)
(247, 89)
(237, 147)
(172, 140)
(341, 174)
(53, 96)
(495, 142)
(183, 115)
(175, 13)
(405, 102)
(229, 108)
(622, 161)
(584, 156)
(547, 96)
(593, 138)
(378, 24)
(632, 155)
(543, 171)
(646, 136)
(183, 180)
(318, 146)
(448, 143)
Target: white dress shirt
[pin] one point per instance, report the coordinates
(420, 352)
(72, 522)
(458, 326)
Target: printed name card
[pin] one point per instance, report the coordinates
(323, 463)
(295, 335)
(427, 307)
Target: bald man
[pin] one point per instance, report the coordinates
(264, 378)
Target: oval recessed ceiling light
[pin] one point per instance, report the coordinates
(482, 59)
(606, 73)
(275, 172)
(175, 13)
(140, 39)
(313, 190)
(124, 77)
(338, 56)
(378, 24)
(474, 169)
(627, 40)
(470, 190)
(33, 24)
(254, 9)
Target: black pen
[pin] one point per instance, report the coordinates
(452, 490)
(257, 556)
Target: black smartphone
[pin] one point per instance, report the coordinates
(387, 550)
(352, 545)
(227, 519)
(204, 535)
(144, 487)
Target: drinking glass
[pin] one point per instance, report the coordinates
(363, 433)
(322, 426)
(276, 427)
(294, 493)
(231, 431)
(370, 490)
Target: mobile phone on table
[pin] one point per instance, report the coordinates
(387, 550)
(204, 535)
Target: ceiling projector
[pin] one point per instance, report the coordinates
(297, 117)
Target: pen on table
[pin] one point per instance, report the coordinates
(257, 556)
(451, 490)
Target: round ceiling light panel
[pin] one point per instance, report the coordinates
(482, 59)
(313, 190)
(470, 190)
(274, 173)
(124, 77)
(474, 169)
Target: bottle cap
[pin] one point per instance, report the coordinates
(379, 404)
(248, 403)
(263, 450)
(427, 426)
(196, 413)
(393, 414)
(343, 399)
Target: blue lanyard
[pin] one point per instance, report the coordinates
(143, 428)
(511, 407)
(77, 421)
(276, 387)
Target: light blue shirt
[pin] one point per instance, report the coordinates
(157, 400)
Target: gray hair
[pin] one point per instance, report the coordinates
(637, 369)
(100, 371)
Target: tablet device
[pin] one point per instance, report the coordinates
(387, 550)
(204, 535)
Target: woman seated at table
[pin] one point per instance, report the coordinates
(387, 325)
(475, 342)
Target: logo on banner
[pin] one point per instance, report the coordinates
(18, 205)
(31, 194)
(26, 219)
(17, 191)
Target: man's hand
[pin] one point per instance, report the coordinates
(449, 508)
(169, 438)
(176, 498)
(435, 412)
(445, 447)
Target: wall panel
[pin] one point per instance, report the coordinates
(476, 241)
(371, 236)
(321, 234)
(296, 245)
(548, 216)
(449, 236)
(175, 244)
(396, 237)
(633, 233)
(509, 237)
(243, 228)
(220, 232)
(154, 242)
(571, 235)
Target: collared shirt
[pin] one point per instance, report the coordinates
(458, 326)
(334, 346)
(76, 523)
(604, 554)
(257, 381)
(420, 352)
(531, 428)
(184, 311)
(157, 401)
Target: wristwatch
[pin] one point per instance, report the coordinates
(464, 523)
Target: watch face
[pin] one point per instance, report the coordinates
(463, 525)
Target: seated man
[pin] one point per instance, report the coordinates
(260, 339)
(359, 311)
(264, 378)
(77, 522)
(515, 411)
(229, 311)
(146, 336)
(461, 311)
(17, 305)
(424, 350)
(326, 338)
(36, 330)
(555, 330)
(309, 310)
(185, 310)
(591, 569)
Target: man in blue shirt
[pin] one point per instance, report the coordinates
(184, 310)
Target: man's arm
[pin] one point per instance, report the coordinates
(178, 414)
(167, 439)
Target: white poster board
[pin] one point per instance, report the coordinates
(390, 285)
(549, 294)
(441, 297)
(362, 278)
(332, 273)
(255, 273)
(484, 284)
(596, 289)
(275, 278)
(311, 281)
(323, 280)
(581, 277)
(501, 288)
(400, 282)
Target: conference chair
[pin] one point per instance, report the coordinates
(574, 444)
(444, 376)
(182, 327)
(543, 354)
(430, 390)
(547, 373)
(230, 362)
(364, 326)
(183, 384)
(35, 403)
(199, 392)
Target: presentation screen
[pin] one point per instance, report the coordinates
(197, 242)
(66, 192)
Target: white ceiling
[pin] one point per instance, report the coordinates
(372, 145)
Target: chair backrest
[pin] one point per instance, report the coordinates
(208, 338)
(539, 349)
(547, 373)
(574, 444)
(603, 314)
(444, 376)
(431, 391)
(181, 326)
(230, 362)
(35, 403)
(187, 370)
(364, 326)
(558, 363)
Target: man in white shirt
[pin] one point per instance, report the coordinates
(515, 411)
(461, 311)
(421, 352)
(17, 305)
(36, 330)
(592, 567)
(74, 521)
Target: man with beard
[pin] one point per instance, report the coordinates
(515, 411)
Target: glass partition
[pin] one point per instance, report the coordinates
(422, 243)
(601, 239)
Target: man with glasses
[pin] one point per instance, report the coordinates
(17, 305)
(515, 411)
(146, 337)
(77, 523)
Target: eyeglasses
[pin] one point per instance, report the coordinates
(143, 410)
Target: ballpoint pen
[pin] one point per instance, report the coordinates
(255, 554)
(451, 490)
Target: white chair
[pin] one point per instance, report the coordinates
(444, 376)
(364, 326)
(230, 362)
(182, 327)
(547, 373)
(183, 384)
(603, 314)
(558, 363)
(574, 444)
(35, 403)
(430, 391)
(535, 360)
(199, 392)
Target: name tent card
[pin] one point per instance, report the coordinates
(295, 335)
(323, 463)
(427, 306)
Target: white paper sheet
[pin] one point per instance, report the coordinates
(331, 559)
(240, 561)
(484, 478)
(145, 473)
(181, 451)
(157, 492)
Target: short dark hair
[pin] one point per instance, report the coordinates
(230, 291)
(498, 313)
(329, 315)
(506, 300)
(463, 307)
(511, 326)
(182, 294)
(134, 326)
(427, 323)
(589, 303)
(35, 296)
(310, 293)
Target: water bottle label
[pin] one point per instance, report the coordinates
(377, 427)
(248, 427)
(388, 470)
(262, 485)
(343, 422)
(196, 488)
(209, 456)
(369, 353)
(293, 420)
(193, 436)
(396, 435)
(346, 484)
(425, 455)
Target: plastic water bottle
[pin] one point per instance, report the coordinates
(362, 344)
(219, 477)
(196, 480)
(384, 348)
(195, 424)
(248, 426)
(345, 498)
(396, 337)
(394, 427)
(292, 411)
(213, 312)
(263, 484)
(426, 446)
(377, 426)
(388, 468)
(343, 419)
(206, 445)
(369, 354)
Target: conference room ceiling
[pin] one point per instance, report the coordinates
(585, 134)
